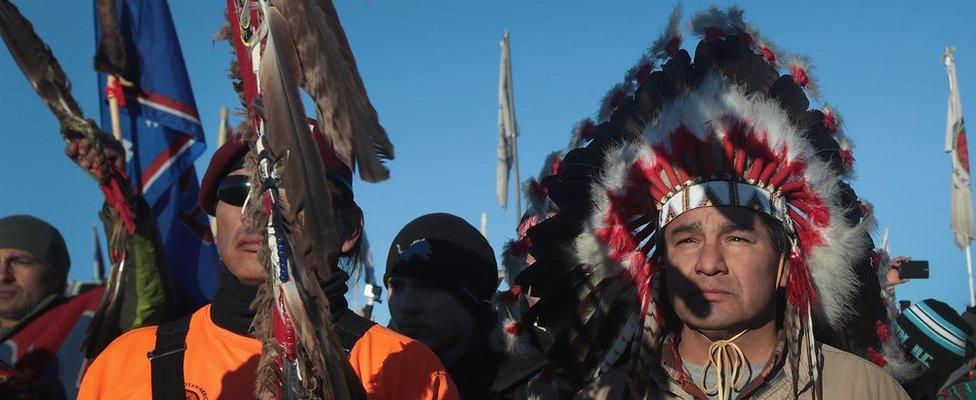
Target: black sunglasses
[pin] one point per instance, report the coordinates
(233, 189)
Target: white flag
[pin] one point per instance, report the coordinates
(507, 127)
(962, 191)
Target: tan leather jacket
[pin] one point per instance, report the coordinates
(843, 376)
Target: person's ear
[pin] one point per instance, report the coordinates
(351, 240)
(782, 272)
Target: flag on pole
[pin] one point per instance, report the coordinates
(507, 130)
(955, 143)
(162, 135)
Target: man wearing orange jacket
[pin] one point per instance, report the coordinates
(214, 355)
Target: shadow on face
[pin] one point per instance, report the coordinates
(237, 247)
(429, 314)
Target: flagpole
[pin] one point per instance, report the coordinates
(518, 182)
(113, 106)
(969, 270)
(961, 199)
(513, 125)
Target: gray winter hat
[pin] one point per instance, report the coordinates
(38, 237)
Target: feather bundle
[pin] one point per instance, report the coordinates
(329, 74)
(48, 79)
(42, 70)
(307, 225)
(670, 40)
(110, 56)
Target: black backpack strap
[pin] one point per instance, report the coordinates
(166, 360)
(350, 327)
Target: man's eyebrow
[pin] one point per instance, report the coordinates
(26, 258)
(693, 227)
(734, 227)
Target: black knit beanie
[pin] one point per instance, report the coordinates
(935, 335)
(447, 252)
(37, 237)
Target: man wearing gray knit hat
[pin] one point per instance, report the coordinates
(34, 266)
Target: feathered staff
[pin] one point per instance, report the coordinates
(281, 46)
(44, 73)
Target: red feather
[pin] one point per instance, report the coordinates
(799, 289)
(557, 164)
(745, 37)
(767, 54)
(673, 45)
(883, 331)
(830, 120)
(514, 328)
(644, 72)
(848, 158)
(510, 296)
(800, 76)
(876, 357)
(713, 33)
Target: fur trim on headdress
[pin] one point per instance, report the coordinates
(834, 123)
(513, 258)
(670, 40)
(887, 353)
(768, 50)
(641, 70)
(802, 72)
(582, 133)
(537, 195)
(615, 97)
(712, 23)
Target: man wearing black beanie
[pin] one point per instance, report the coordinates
(34, 266)
(442, 275)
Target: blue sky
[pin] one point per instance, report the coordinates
(431, 68)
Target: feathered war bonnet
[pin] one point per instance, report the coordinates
(731, 127)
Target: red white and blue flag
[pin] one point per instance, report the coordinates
(163, 136)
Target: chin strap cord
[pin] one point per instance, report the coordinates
(722, 354)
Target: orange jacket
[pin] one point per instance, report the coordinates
(221, 364)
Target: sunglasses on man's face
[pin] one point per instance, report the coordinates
(233, 189)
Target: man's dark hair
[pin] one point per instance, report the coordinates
(782, 242)
(348, 217)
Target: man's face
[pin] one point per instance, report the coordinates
(429, 314)
(24, 280)
(721, 268)
(238, 248)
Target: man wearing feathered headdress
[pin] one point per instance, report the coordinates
(713, 253)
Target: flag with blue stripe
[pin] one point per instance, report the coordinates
(163, 136)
